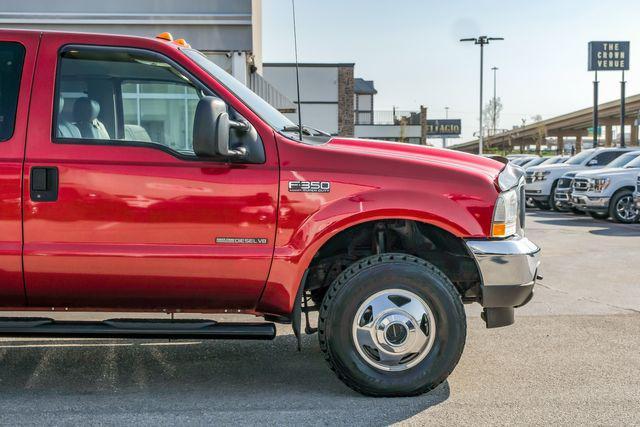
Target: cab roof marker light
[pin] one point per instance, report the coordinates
(182, 42)
(165, 36)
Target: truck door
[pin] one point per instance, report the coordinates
(17, 58)
(119, 212)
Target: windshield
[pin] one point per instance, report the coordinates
(537, 162)
(262, 108)
(579, 158)
(622, 160)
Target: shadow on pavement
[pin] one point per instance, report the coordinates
(602, 227)
(232, 381)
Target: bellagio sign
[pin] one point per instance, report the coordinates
(608, 56)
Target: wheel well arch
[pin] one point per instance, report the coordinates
(440, 247)
(624, 188)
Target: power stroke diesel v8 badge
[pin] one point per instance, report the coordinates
(309, 186)
(242, 240)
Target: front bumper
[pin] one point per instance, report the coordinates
(538, 190)
(509, 269)
(562, 198)
(588, 203)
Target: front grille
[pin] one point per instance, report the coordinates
(565, 183)
(580, 184)
(638, 185)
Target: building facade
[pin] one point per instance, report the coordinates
(326, 93)
(229, 32)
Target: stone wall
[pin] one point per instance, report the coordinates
(345, 101)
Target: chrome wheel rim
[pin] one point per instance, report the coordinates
(625, 208)
(394, 330)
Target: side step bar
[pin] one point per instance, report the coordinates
(136, 328)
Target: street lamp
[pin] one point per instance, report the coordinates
(482, 40)
(493, 117)
(446, 116)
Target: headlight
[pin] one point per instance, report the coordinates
(541, 176)
(599, 184)
(505, 214)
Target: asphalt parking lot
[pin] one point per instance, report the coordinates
(571, 358)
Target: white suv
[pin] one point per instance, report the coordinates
(543, 179)
(609, 191)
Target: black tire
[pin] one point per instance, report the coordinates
(552, 197)
(619, 198)
(368, 277)
(599, 215)
(543, 206)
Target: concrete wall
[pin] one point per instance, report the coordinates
(319, 116)
(317, 84)
(319, 92)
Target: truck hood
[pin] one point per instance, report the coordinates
(397, 150)
(560, 167)
(570, 174)
(609, 172)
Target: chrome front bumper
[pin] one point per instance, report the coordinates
(509, 269)
(590, 203)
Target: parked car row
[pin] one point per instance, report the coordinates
(599, 182)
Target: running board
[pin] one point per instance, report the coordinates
(136, 328)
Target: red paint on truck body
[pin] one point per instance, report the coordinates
(134, 228)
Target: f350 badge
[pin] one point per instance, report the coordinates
(309, 186)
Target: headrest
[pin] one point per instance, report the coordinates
(85, 110)
(60, 105)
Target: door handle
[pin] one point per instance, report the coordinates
(44, 184)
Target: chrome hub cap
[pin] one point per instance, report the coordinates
(394, 330)
(626, 208)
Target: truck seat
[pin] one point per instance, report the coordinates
(66, 129)
(85, 113)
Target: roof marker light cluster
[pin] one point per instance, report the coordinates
(168, 37)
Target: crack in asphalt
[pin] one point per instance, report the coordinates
(594, 300)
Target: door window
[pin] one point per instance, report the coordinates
(11, 61)
(109, 96)
(607, 157)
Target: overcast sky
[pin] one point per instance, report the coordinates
(410, 49)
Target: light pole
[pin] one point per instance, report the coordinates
(482, 40)
(493, 117)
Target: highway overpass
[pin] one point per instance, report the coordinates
(571, 125)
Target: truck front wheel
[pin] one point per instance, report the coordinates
(622, 208)
(392, 325)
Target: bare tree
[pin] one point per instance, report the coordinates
(491, 114)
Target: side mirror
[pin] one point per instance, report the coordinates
(592, 162)
(211, 126)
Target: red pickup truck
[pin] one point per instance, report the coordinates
(138, 176)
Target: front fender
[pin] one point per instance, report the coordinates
(300, 237)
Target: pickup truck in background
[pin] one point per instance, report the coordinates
(538, 162)
(608, 192)
(543, 180)
(137, 176)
